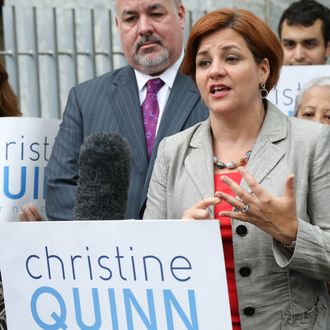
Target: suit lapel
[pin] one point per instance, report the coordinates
(181, 102)
(264, 157)
(123, 95)
(266, 154)
(199, 161)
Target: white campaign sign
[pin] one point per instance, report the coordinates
(291, 80)
(114, 275)
(25, 147)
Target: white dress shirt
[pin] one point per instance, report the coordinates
(167, 76)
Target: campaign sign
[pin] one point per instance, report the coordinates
(25, 147)
(291, 80)
(114, 275)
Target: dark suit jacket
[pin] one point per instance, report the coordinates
(110, 104)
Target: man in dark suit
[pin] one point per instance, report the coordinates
(151, 34)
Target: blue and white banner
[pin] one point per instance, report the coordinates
(291, 80)
(114, 275)
(25, 147)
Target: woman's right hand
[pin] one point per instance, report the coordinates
(201, 210)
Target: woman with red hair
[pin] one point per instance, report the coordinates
(262, 175)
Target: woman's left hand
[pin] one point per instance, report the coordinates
(276, 216)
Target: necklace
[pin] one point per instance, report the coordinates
(232, 164)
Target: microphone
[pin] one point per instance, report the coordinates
(104, 166)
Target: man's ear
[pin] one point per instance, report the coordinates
(182, 15)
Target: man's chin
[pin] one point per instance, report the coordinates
(153, 64)
(153, 70)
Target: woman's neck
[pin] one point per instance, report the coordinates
(239, 128)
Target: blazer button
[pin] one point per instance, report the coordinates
(241, 230)
(249, 311)
(245, 271)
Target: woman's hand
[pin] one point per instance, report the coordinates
(30, 213)
(276, 216)
(200, 211)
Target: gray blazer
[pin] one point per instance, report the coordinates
(283, 291)
(110, 104)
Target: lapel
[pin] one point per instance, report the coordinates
(199, 160)
(265, 153)
(124, 98)
(182, 99)
(264, 157)
(181, 102)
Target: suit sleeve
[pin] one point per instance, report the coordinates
(62, 169)
(157, 193)
(312, 252)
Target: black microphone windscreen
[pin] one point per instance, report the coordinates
(104, 166)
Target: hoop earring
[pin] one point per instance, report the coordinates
(263, 92)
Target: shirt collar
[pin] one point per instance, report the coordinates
(168, 76)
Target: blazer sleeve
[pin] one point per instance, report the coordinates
(311, 255)
(62, 168)
(157, 193)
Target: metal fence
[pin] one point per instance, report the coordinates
(49, 50)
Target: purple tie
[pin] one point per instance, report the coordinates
(150, 112)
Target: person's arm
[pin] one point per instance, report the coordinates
(62, 169)
(277, 216)
(311, 254)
